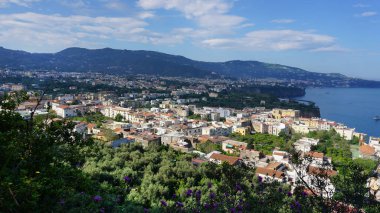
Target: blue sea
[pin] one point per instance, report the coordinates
(355, 107)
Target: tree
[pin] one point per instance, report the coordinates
(119, 117)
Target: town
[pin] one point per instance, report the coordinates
(155, 113)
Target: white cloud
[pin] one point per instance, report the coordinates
(54, 32)
(283, 21)
(190, 8)
(210, 15)
(276, 40)
(23, 3)
(146, 15)
(368, 14)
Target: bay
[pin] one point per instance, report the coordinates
(354, 107)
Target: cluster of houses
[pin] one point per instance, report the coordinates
(184, 127)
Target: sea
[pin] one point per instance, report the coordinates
(354, 107)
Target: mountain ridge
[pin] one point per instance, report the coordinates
(117, 61)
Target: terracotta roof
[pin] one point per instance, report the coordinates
(279, 153)
(198, 161)
(367, 150)
(315, 154)
(118, 130)
(269, 172)
(91, 125)
(316, 171)
(63, 106)
(229, 159)
(273, 165)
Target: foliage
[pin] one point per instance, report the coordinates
(118, 117)
(263, 142)
(208, 147)
(49, 168)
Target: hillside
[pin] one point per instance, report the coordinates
(115, 61)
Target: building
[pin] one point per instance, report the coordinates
(259, 127)
(231, 146)
(147, 140)
(270, 174)
(220, 158)
(344, 132)
(367, 151)
(65, 111)
(242, 130)
(285, 113)
(304, 144)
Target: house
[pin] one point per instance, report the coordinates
(171, 138)
(242, 130)
(304, 144)
(65, 111)
(269, 174)
(259, 126)
(375, 143)
(147, 140)
(198, 161)
(367, 151)
(317, 159)
(220, 158)
(81, 128)
(345, 132)
(231, 146)
(285, 113)
(280, 156)
(251, 155)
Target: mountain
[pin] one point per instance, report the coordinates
(115, 61)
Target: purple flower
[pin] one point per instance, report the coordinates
(62, 202)
(232, 210)
(212, 195)
(102, 210)
(82, 193)
(146, 210)
(174, 196)
(127, 179)
(209, 185)
(238, 187)
(97, 198)
(163, 203)
(189, 192)
(280, 189)
(298, 205)
(198, 194)
(260, 179)
(179, 204)
(304, 194)
(215, 205)
(239, 207)
(207, 206)
(289, 194)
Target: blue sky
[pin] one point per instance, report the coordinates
(318, 35)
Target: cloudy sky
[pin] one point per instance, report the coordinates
(324, 35)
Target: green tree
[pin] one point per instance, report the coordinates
(119, 117)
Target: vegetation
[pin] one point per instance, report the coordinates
(209, 146)
(263, 142)
(251, 98)
(46, 167)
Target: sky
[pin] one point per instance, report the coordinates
(332, 36)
